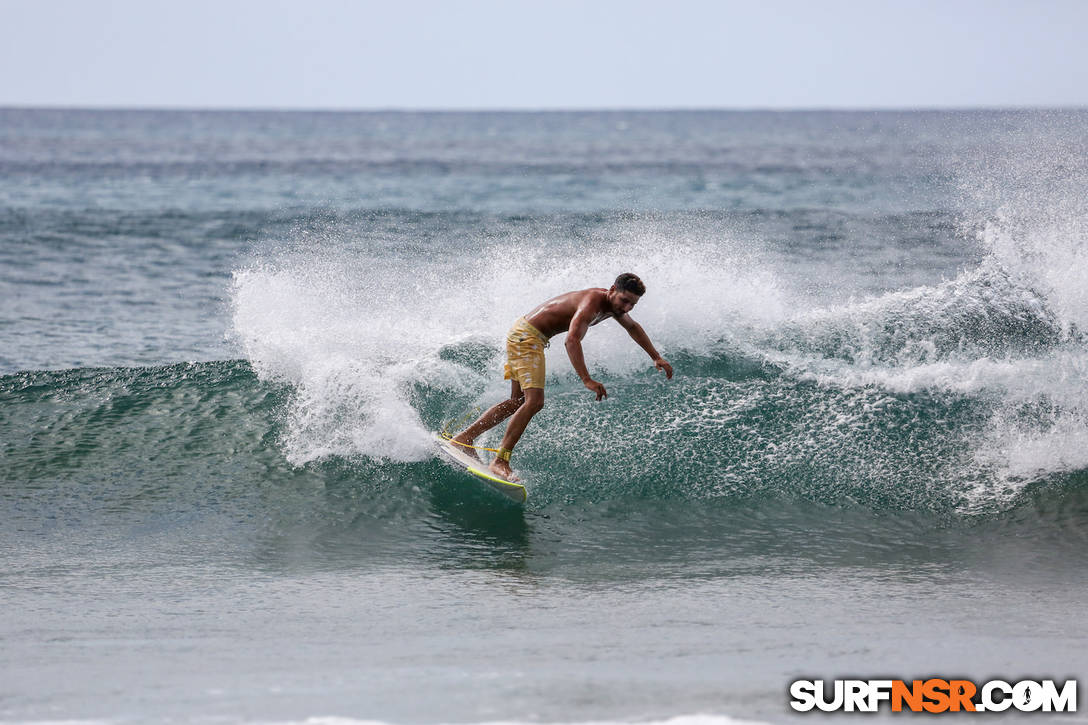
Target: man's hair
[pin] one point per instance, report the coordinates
(631, 283)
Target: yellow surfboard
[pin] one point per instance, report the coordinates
(456, 455)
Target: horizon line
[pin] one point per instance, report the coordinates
(538, 109)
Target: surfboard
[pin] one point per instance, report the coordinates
(478, 470)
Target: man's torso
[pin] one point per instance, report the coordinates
(555, 315)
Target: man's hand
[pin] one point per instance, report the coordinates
(597, 388)
(663, 365)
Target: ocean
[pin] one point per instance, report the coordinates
(227, 338)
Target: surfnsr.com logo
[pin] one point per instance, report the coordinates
(933, 695)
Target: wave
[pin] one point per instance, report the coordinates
(965, 396)
(957, 396)
(734, 426)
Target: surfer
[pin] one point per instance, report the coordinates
(573, 313)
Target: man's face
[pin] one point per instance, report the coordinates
(622, 301)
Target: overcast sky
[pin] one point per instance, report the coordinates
(346, 54)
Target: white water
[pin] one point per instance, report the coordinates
(355, 329)
(354, 334)
(701, 719)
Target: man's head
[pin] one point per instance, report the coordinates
(625, 293)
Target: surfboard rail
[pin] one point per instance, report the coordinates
(514, 491)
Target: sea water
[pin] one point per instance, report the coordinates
(227, 337)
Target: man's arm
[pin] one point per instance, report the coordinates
(579, 325)
(639, 335)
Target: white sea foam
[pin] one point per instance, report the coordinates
(701, 719)
(1039, 236)
(1010, 332)
(354, 334)
(678, 720)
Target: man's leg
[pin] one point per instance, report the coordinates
(534, 402)
(491, 418)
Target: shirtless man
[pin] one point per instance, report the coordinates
(573, 313)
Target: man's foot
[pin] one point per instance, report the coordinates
(502, 469)
(461, 438)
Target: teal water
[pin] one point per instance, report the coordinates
(228, 338)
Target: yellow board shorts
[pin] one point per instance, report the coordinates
(525, 355)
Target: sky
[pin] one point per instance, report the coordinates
(544, 54)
